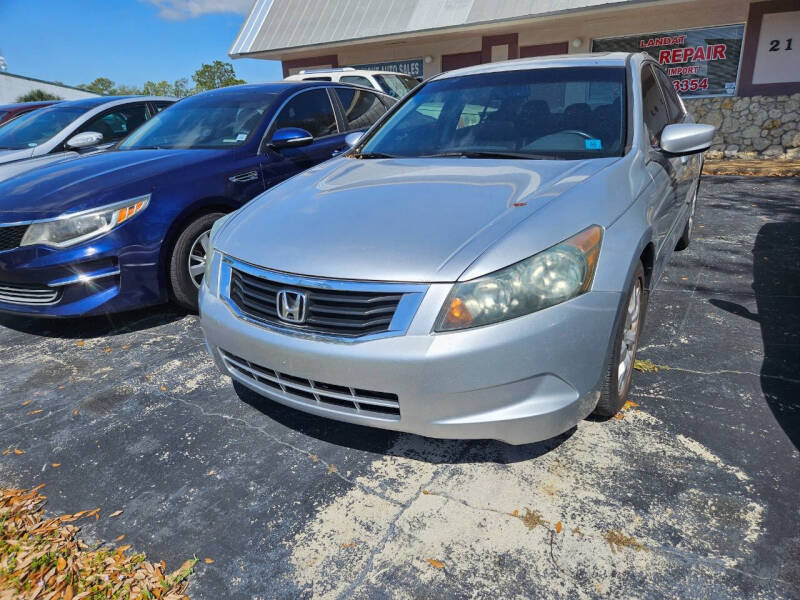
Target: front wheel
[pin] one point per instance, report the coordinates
(188, 260)
(617, 382)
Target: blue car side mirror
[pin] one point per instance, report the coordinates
(290, 137)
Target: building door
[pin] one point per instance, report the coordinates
(543, 49)
(458, 61)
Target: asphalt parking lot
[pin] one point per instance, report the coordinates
(693, 493)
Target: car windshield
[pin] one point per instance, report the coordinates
(545, 113)
(213, 120)
(38, 126)
(396, 85)
(3, 113)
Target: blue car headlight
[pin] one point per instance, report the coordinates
(545, 279)
(70, 229)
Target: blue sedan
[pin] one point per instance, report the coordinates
(129, 228)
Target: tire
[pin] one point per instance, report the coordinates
(184, 285)
(686, 236)
(616, 385)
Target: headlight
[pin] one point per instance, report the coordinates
(553, 276)
(213, 259)
(68, 230)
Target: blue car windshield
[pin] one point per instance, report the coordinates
(38, 126)
(215, 120)
(544, 113)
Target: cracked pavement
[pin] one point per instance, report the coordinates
(693, 493)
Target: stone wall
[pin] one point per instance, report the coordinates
(754, 127)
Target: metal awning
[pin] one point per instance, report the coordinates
(280, 25)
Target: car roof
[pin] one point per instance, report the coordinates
(594, 59)
(95, 101)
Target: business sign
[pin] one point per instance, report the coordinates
(412, 67)
(700, 62)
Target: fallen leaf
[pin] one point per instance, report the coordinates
(55, 465)
(126, 346)
(119, 538)
(6, 451)
(313, 457)
(212, 472)
(61, 563)
(558, 527)
(426, 492)
(332, 469)
(26, 402)
(515, 513)
(349, 545)
(108, 350)
(619, 416)
(163, 388)
(629, 404)
(80, 342)
(36, 412)
(75, 412)
(436, 564)
(208, 561)
(17, 451)
(116, 513)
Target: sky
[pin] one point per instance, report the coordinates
(128, 41)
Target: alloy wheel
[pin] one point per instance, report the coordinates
(630, 339)
(197, 258)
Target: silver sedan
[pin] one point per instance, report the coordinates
(477, 265)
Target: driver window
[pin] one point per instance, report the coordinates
(653, 108)
(118, 122)
(311, 110)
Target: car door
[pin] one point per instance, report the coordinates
(312, 110)
(661, 168)
(687, 168)
(360, 108)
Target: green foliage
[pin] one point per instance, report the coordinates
(215, 75)
(37, 96)
(208, 77)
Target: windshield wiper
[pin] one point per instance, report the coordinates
(373, 155)
(488, 154)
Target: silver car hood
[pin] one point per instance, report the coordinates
(415, 220)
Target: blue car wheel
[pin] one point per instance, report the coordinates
(187, 261)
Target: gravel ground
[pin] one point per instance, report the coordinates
(693, 493)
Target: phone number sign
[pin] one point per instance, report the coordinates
(700, 62)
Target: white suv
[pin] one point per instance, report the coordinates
(388, 82)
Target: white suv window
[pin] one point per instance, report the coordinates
(356, 80)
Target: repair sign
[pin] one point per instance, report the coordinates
(700, 62)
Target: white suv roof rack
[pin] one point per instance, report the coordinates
(328, 70)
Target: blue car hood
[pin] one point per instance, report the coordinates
(91, 181)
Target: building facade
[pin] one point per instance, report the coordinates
(733, 61)
(14, 86)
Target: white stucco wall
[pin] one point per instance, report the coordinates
(14, 86)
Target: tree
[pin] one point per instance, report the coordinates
(126, 90)
(181, 88)
(215, 75)
(37, 96)
(102, 85)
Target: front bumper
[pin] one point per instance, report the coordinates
(520, 381)
(98, 277)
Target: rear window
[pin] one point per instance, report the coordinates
(361, 108)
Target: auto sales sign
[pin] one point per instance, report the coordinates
(700, 62)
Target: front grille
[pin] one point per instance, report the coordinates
(347, 313)
(316, 393)
(11, 236)
(14, 293)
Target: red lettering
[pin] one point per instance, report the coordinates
(663, 57)
(676, 55)
(688, 53)
(719, 52)
(700, 53)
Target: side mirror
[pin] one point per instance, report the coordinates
(84, 140)
(290, 137)
(687, 138)
(351, 139)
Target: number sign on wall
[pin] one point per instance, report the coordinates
(778, 52)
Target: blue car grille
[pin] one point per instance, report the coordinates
(334, 312)
(15, 293)
(357, 400)
(11, 236)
